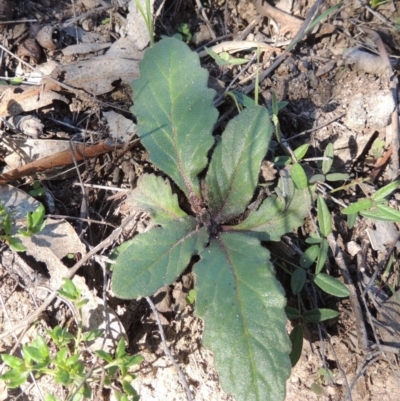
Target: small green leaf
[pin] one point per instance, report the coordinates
(50, 397)
(120, 351)
(309, 256)
(282, 161)
(331, 285)
(62, 377)
(337, 177)
(351, 220)
(382, 213)
(296, 338)
(92, 335)
(301, 151)
(276, 217)
(322, 255)
(16, 244)
(319, 315)
(316, 178)
(313, 239)
(359, 206)
(41, 345)
(29, 221)
(299, 176)
(62, 356)
(292, 313)
(104, 355)
(130, 360)
(297, 280)
(7, 224)
(246, 101)
(128, 388)
(242, 305)
(317, 389)
(33, 353)
(233, 172)
(327, 164)
(156, 258)
(382, 193)
(17, 379)
(175, 112)
(12, 361)
(38, 215)
(191, 297)
(324, 217)
(69, 289)
(154, 196)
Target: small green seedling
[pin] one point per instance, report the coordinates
(237, 294)
(184, 30)
(324, 377)
(376, 207)
(66, 365)
(325, 172)
(34, 222)
(224, 58)
(191, 297)
(38, 189)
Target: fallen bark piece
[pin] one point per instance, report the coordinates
(80, 152)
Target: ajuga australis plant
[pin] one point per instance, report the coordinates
(238, 297)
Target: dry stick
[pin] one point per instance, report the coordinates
(167, 351)
(103, 244)
(355, 304)
(85, 15)
(339, 365)
(292, 44)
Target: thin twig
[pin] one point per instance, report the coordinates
(205, 18)
(355, 304)
(167, 351)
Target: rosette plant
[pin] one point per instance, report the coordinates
(238, 297)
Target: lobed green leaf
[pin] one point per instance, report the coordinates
(156, 258)
(277, 216)
(154, 196)
(175, 112)
(234, 168)
(242, 305)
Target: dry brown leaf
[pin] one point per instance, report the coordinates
(98, 74)
(14, 102)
